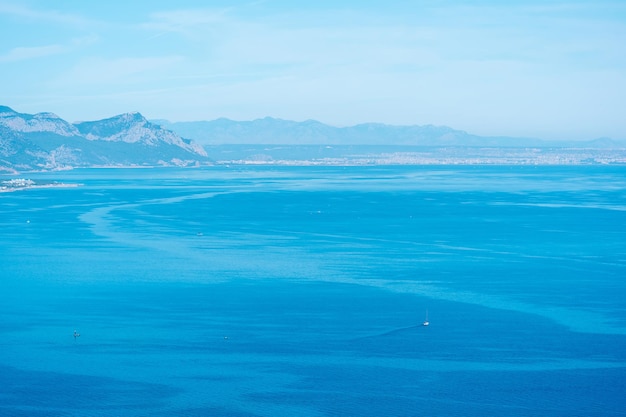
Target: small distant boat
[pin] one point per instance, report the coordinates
(426, 322)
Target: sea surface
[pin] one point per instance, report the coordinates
(301, 291)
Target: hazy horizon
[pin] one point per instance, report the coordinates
(551, 70)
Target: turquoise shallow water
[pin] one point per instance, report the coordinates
(301, 291)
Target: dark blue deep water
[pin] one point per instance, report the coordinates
(301, 291)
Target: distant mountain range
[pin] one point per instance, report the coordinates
(271, 131)
(44, 141)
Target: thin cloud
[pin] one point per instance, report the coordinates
(184, 22)
(54, 16)
(25, 53)
(120, 71)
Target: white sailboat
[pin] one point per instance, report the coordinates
(426, 322)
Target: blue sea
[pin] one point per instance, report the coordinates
(301, 291)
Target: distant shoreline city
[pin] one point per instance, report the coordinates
(355, 155)
(270, 155)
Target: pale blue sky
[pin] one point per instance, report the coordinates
(547, 69)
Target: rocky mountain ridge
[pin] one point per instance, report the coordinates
(44, 141)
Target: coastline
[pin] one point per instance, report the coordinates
(8, 188)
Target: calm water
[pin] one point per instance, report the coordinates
(301, 292)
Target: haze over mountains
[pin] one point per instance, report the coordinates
(44, 141)
(311, 132)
